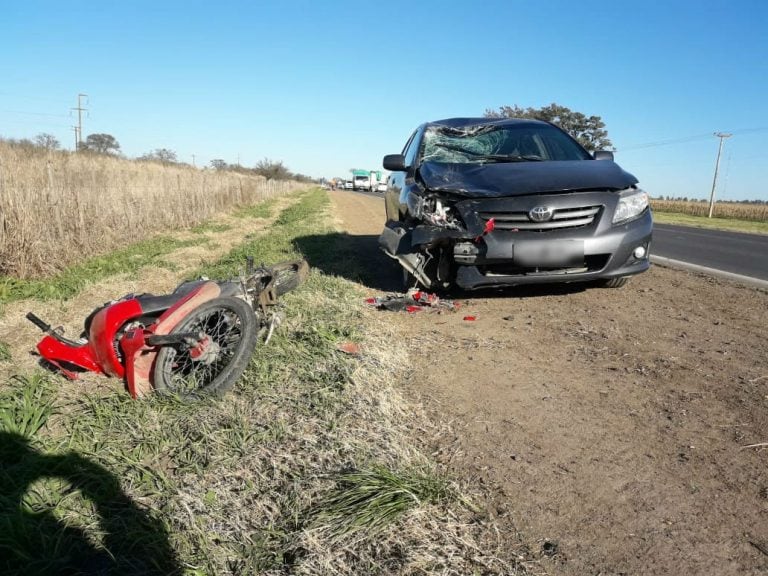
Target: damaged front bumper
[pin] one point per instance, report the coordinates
(508, 256)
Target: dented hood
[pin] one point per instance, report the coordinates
(519, 178)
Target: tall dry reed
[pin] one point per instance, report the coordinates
(59, 207)
(735, 210)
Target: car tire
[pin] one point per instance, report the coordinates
(407, 280)
(615, 282)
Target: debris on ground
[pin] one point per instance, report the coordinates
(413, 301)
(349, 348)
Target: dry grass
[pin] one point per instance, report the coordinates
(316, 464)
(58, 207)
(734, 210)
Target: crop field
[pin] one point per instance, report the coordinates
(728, 210)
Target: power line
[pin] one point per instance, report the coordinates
(692, 138)
(33, 113)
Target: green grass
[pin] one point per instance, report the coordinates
(307, 466)
(370, 500)
(277, 245)
(73, 279)
(712, 223)
(210, 227)
(26, 407)
(261, 210)
(5, 352)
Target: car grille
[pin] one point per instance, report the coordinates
(562, 218)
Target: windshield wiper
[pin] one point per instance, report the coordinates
(491, 157)
(511, 157)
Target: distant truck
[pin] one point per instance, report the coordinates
(361, 182)
(367, 180)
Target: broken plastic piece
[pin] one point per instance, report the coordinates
(489, 227)
(349, 348)
(470, 318)
(413, 301)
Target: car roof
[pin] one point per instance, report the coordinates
(462, 122)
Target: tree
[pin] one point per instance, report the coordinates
(163, 155)
(101, 144)
(589, 131)
(272, 170)
(47, 141)
(218, 164)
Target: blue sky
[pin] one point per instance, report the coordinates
(329, 86)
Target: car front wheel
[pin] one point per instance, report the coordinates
(615, 282)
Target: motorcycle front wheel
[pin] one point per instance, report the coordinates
(231, 331)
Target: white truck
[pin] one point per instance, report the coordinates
(362, 182)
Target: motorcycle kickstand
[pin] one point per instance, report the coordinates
(275, 320)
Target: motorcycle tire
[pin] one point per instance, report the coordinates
(289, 275)
(233, 328)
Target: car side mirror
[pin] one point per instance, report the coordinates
(394, 162)
(603, 155)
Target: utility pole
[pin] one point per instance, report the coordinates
(193, 161)
(77, 136)
(80, 110)
(722, 136)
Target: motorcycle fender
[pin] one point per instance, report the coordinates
(140, 358)
(59, 354)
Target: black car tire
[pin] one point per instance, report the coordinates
(408, 281)
(615, 282)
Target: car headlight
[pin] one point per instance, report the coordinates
(432, 209)
(631, 204)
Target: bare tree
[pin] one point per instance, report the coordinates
(47, 141)
(163, 155)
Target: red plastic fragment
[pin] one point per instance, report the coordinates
(349, 348)
(470, 318)
(412, 309)
(489, 227)
(371, 301)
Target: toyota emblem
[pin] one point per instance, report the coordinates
(541, 213)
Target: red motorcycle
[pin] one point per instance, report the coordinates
(195, 341)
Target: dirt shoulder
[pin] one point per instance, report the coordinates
(610, 424)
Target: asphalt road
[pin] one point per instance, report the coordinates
(734, 252)
(730, 252)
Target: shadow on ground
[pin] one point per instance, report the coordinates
(359, 259)
(356, 258)
(34, 539)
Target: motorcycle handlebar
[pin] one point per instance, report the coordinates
(37, 321)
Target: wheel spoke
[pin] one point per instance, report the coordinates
(187, 375)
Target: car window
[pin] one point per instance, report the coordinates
(411, 149)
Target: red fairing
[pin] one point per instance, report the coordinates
(104, 326)
(55, 351)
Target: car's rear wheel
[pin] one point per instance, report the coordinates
(615, 282)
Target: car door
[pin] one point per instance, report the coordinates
(394, 198)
